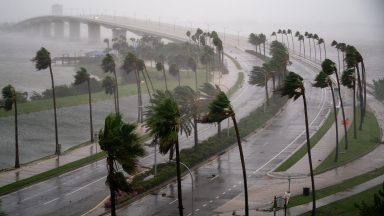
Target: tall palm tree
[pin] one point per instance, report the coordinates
(336, 45)
(131, 65)
(259, 76)
(263, 40)
(209, 93)
(342, 47)
(109, 87)
(285, 33)
(160, 67)
(309, 36)
(348, 79)
(274, 34)
(289, 31)
(219, 109)
(280, 32)
(43, 61)
(122, 144)
(83, 76)
(10, 100)
(108, 65)
(322, 81)
(252, 39)
(165, 121)
(294, 88)
(329, 67)
(189, 102)
(174, 71)
(297, 34)
(319, 42)
(314, 37)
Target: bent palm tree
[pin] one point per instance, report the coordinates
(348, 79)
(43, 61)
(336, 45)
(165, 121)
(259, 76)
(122, 144)
(294, 88)
(108, 65)
(109, 88)
(329, 67)
(322, 81)
(219, 109)
(160, 67)
(10, 100)
(174, 71)
(83, 76)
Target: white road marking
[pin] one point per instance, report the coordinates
(67, 194)
(205, 204)
(214, 178)
(217, 197)
(37, 194)
(46, 203)
(172, 202)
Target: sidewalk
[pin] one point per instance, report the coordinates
(261, 195)
(43, 165)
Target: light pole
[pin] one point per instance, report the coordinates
(190, 173)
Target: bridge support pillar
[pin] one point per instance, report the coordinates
(117, 32)
(59, 28)
(94, 32)
(74, 30)
(45, 28)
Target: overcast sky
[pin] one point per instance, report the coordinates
(295, 14)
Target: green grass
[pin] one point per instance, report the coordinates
(345, 207)
(50, 173)
(238, 84)
(367, 140)
(300, 153)
(237, 64)
(344, 185)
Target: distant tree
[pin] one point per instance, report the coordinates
(309, 36)
(10, 102)
(289, 31)
(83, 76)
(174, 71)
(108, 65)
(43, 61)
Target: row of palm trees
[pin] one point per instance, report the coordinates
(257, 40)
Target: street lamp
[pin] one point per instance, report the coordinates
(190, 173)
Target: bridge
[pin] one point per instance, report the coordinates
(54, 26)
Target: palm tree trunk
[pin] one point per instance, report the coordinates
(293, 44)
(354, 109)
(242, 164)
(309, 156)
(300, 48)
(360, 97)
(342, 111)
(310, 49)
(90, 110)
(338, 58)
(336, 123)
(264, 48)
(178, 173)
(287, 41)
(320, 52)
(314, 48)
(138, 97)
(117, 93)
(149, 78)
(111, 188)
(343, 61)
(17, 162)
(304, 48)
(325, 52)
(266, 91)
(57, 151)
(165, 77)
(147, 87)
(195, 132)
(364, 88)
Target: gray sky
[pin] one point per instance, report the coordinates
(350, 16)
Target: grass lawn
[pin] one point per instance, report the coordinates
(367, 140)
(298, 200)
(303, 149)
(345, 207)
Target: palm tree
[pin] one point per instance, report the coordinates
(322, 81)
(189, 102)
(188, 33)
(174, 71)
(219, 109)
(193, 66)
(131, 64)
(274, 34)
(319, 42)
(285, 33)
(280, 32)
(122, 144)
(108, 65)
(43, 61)
(263, 39)
(160, 67)
(109, 88)
(259, 76)
(9, 98)
(329, 67)
(309, 36)
(348, 79)
(83, 76)
(252, 39)
(336, 45)
(289, 31)
(294, 88)
(165, 121)
(314, 37)
(209, 93)
(301, 39)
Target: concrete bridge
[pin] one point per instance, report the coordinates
(54, 26)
